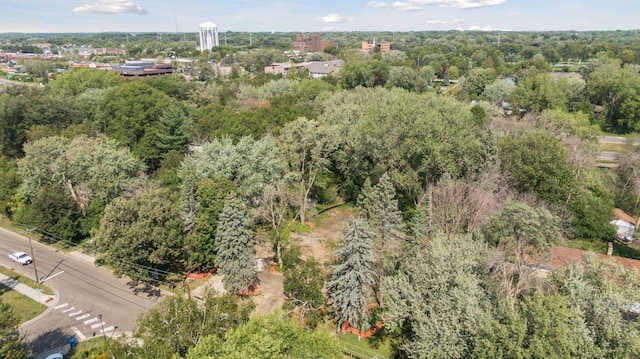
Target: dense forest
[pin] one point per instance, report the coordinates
(463, 156)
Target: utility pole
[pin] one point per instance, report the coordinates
(33, 257)
(104, 335)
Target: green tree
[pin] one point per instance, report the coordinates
(172, 132)
(402, 77)
(236, 248)
(274, 336)
(539, 164)
(10, 338)
(141, 236)
(541, 92)
(177, 323)
(208, 199)
(498, 91)
(476, 81)
(436, 303)
(602, 293)
(541, 326)
(349, 287)
(307, 146)
(534, 226)
(9, 183)
(87, 167)
(379, 207)
(274, 209)
(364, 73)
(303, 284)
(250, 164)
(53, 211)
(77, 81)
(131, 112)
(407, 135)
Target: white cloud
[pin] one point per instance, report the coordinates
(377, 4)
(444, 22)
(331, 18)
(405, 6)
(476, 27)
(474, 4)
(334, 18)
(460, 4)
(111, 7)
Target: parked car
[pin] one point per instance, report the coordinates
(20, 257)
(56, 356)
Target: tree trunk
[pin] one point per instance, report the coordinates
(279, 251)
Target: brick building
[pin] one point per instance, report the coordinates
(311, 42)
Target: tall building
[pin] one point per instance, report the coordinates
(208, 36)
(312, 42)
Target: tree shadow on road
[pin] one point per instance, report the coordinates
(149, 290)
(47, 341)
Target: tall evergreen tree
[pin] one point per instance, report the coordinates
(353, 275)
(380, 209)
(236, 248)
(421, 220)
(172, 130)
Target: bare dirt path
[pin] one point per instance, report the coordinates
(317, 244)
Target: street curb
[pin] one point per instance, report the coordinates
(56, 296)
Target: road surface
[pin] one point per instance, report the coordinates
(83, 293)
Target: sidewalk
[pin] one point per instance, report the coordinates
(47, 300)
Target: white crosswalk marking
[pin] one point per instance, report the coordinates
(83, 316)
(92, 320)
(60, 306)
(80, 335)
(97, 325)
(108, 329)
(75, 313)
(67, 310)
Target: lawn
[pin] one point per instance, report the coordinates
(24, 307)
(26, 281)
(363, 348)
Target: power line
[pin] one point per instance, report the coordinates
(138, 267)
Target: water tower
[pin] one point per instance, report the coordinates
(208, 36)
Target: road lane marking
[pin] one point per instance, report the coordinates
(93, 320)
(108, 329)
(60, 306)
(97, 325)
(51, 276)
(75, 313)
(83, 317)
(67, 310)
(80, 335)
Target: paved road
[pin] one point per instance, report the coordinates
(83, 292)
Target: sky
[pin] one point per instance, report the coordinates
(52, 16)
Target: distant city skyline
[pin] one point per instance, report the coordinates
(52, 16)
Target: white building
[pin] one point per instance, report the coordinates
(208, 36)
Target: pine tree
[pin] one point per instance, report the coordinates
(421, 220)
(236, 248)
(380, 209)
(353, 275)
(172, 130)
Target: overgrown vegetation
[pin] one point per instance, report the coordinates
(465, 168)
